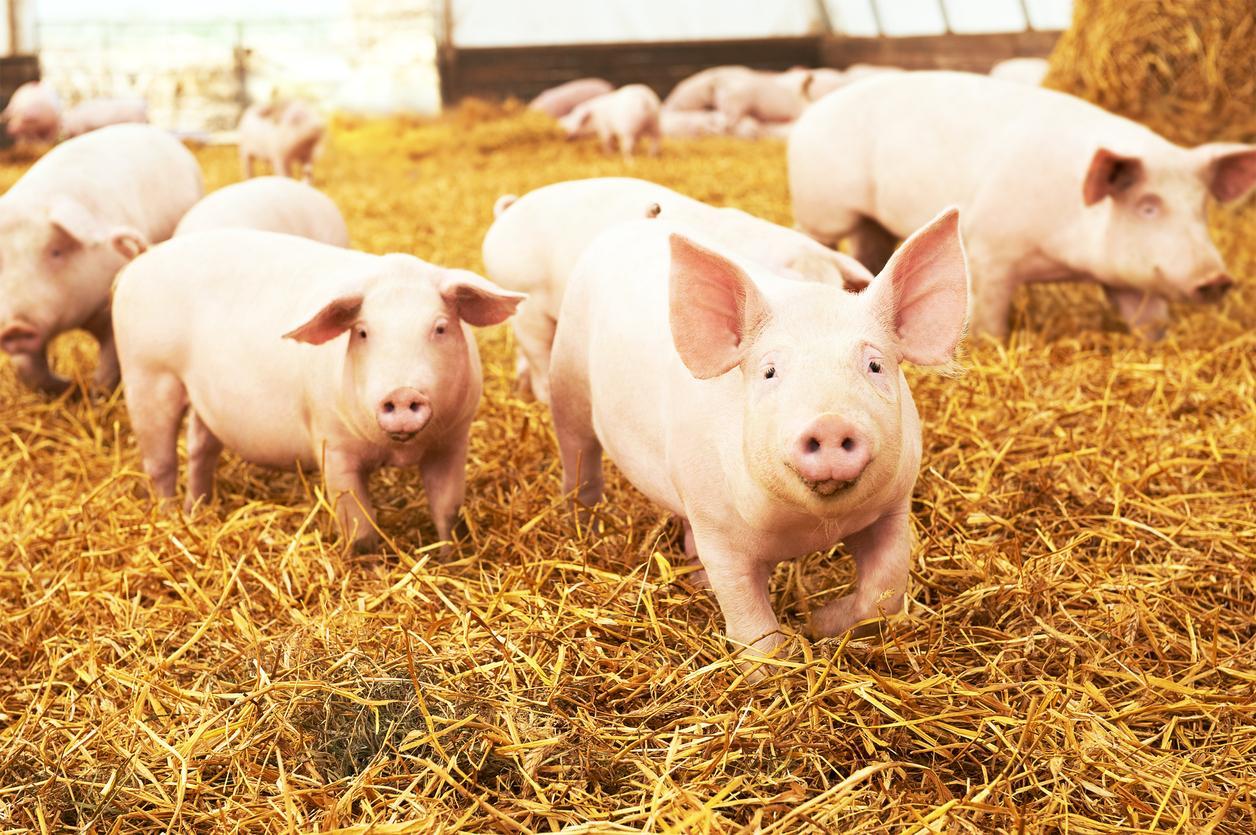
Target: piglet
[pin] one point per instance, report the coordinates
(561, 100)
(687, 124)
(74, 218)
(290, 352)
(33, 114)
(624, 116)
(285, 134)
(769, 413)
(272, 204)
(94, 114)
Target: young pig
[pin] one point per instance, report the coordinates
(624, 116)
(1052, 188)
(33, 114)
(769, 413)
(533, 246)
(294, 352)
(272, 204)
(95, 114)
(284, 134)
(66, 227)
(561, 100)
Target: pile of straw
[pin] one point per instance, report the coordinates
(1080, 652)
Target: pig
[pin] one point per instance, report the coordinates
(272, 204)
(286, 134)
(1052, 188)
(737, 92)
(770, 414)
(561, 100)
(687, 124)
(1029, 71)
(697, 92)
(535, 241)
(33, 114)
(825, 80)
(624, 116)
(93, 114)
(66, 227)
(292, 352)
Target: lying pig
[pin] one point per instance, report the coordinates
(697, 92)
(624, 116)
(768, 97)
(82, 211)
(1052, 188)
(94, 114)
(534, 243)
(285, 134)
(272, 204)
(1029, 71)
(687, 124)
(33, 114)
(561, 100)
(769, 413)
(293, 352)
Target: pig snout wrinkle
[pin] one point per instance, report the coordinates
(403, 414)
(18, 338)
(830, 455)
(1214, 289)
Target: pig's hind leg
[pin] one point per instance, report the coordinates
(872, 244)
(156, 402)
(204, 448)
(578, 446)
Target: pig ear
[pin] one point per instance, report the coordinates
(1230, 170)
(922, 294)
(476, 300)
(714, 308)
(336, 317)
(127, 241)
(1109, 175)
(73, 218)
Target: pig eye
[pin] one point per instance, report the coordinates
(770, 372)
(874, 366)
(361, 331)
(1150, 206)
(440, 327)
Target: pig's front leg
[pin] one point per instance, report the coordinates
(882, 553)
(346, 485)
(33, 370)
(444, 472)
(740, 583)
(107, 374)
(1145, 314)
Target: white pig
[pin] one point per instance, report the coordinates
(533, 246)
(1052, 188)
(687, 124)
(289, 352)
(272, 204)
(67, 226)
(770, 414)
(559, 101)
(94, 114)
(285, 134)
(33, 113)
(624, 116)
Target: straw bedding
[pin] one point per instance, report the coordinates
(1079, 654)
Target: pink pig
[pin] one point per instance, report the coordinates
(69, 224)
(1052, 188)
(769, 413)
(290, 352)
(285, 134)
(272, 204)
(33, 114)
(533, 246)
(624, 116)
(561, 100)
(94, 114)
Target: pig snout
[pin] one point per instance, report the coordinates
(830, 454)
(19, 338)
(1213, 290)
(403, 414)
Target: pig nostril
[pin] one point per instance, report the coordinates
(813, 445)
(414, 407)
(848, 444)
(389, 407)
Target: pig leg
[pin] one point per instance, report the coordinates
(156, 403)
(740, 584)
(280, 163)
(656, 138)
(872, 244)
(33, 370)
(246, 165)
(991, 299)
(534, 330)
(578, 446)
(346, 486)
(1145, 315)
(882, 553)
(203, 451)
(627, 141)
(107, 374)
(607, 138)
(697, 578)
(444, 472)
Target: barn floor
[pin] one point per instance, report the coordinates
(1080, 652)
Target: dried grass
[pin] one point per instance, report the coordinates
(1079, 655)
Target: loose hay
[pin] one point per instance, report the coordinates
(1079, 653)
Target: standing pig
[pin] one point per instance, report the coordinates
(1052, 188)
(624, 116)
(33, 114)
(94, 114)
(769, 413)
(533, 246)
(82, 211)
(285, 134)
(294, 352)
(561, 100)
(271, 204)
